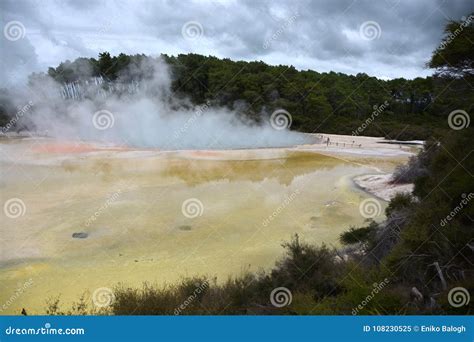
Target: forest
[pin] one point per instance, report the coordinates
(318, 102)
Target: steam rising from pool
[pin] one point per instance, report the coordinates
(139, 109)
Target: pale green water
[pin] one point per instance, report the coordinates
(140, 233)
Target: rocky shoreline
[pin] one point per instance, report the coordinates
(380, 185)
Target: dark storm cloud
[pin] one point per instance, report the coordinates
(321, 35)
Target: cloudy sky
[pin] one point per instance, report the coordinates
(384, 38)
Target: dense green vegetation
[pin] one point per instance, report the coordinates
(318, 102)
(404, 265)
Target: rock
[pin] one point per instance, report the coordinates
(331, 203)
(80, 235)
(415, 294)
(432, 304)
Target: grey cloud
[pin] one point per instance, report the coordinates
(322, 34)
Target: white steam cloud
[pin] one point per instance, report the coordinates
(144, 113)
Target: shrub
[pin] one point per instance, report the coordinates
(308, 268)
(400, 202)
(358, 235)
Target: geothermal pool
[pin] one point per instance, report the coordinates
(239, 206)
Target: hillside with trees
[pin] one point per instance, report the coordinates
(318, 102)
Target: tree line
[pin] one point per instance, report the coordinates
(318, 102)
(327, 102)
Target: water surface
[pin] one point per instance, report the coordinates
(130, 205)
